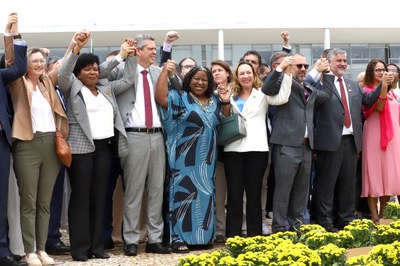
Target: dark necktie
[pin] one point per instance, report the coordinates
(347, 121)
(147, 100)
(306, 93)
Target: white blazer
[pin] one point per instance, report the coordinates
(255, 110)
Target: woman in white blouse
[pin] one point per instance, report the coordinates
(37, 108)
(95, 126)
(246, 159)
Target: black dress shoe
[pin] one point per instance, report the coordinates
(16, 257)
(10, 261)
(101, 256)
(80, 258)
(131, 250)
(57, 249)
(330, 228)
(157, 248)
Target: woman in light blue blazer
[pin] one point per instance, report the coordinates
(96, 130)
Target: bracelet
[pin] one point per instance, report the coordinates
(225, 103)
(380, 98)
(18, 36)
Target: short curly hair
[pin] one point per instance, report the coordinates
(189, 76)
(85, 60)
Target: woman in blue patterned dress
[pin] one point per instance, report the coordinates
(190, 118)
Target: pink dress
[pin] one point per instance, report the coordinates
(380, 167)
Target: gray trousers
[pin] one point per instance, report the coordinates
(292, 177)
(144, 169)
(36, 166)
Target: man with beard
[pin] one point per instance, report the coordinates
(293, 139)
(338, 140)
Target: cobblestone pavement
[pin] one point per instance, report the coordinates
(117, 257)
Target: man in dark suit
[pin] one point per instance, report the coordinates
(338, 140)
(292, 138)
(7, 76)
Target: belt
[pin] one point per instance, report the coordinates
(306, 141)
(143, 129)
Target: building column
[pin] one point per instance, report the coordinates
(327, 39)
(221, 45)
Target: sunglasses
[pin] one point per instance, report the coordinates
(299, 66)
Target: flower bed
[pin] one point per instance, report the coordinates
(392, 211)
(312, 246)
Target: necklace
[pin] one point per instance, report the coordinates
(208, 107)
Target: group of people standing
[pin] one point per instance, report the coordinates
(163, 125)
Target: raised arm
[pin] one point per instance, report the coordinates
(324, 88)
(166, 49)
(161, 92)
(284, 92)
(224, 94)
(272, 83)
(65, 74)
(387, 79)
(314, 75)
(128, 51)
(109, 69)
(286, 46)
(80, 39)
(11, 28)
(369, 98)
(15, 55)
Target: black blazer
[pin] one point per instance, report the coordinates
(330, 116)
(291, 119)
(8, 75)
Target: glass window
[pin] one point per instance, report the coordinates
(359, 58)
(378, 51)
(265, 52)
(316, 51)
(227, 54)
(238, 50)
(394, 54)
(278, 48)
(181, 51)
(359, 51)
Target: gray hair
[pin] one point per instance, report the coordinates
(335, 51)
(141, 40)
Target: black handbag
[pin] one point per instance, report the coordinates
(231, 128)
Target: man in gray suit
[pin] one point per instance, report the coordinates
(144, 166)
(292, 138)
(337, 144)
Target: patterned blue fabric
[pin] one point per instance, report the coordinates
(191, 132)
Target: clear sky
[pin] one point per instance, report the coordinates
(181, 14)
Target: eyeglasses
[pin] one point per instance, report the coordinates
(392, 70)
(299, 66)
(380, 70)
(188, 66)
(37, 61)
